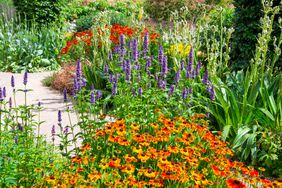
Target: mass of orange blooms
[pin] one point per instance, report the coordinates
(115, 31)
(169, 153)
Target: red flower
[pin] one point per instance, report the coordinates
(233, 183)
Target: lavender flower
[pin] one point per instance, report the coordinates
(83, 82)
(190, 61)
(140, 91)
(164, 66)
(188, 75)
(145, 43)
(128, 71)
(75, 85)
(134, 50)
(171, 90)
(198, 68)
(161, 54)
(13, 81)
(148, 64)
(65, 95)
(205, 78)
(59, 116)
(92, 98)
(184, 93)
(10, 102)
(116, 77)
(92, 87)
(137, 66)
(1, 94)
(78, 71)
(25, 78)
(111, 78)
(212, 93)
(122, 43)
(116, 50)
(53, 133)
(110, 56)
(138, 77)
(66, 131)
(177, 77)
(114, 89)
(106, 68)
(4, 92)
(98, 94)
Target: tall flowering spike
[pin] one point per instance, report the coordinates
(25, 78)
(177, 76)
(92, 87)
(53, 133)
(13, 81)
(171, 90)
(188, 74)
(128, 71)
(145, 43)
(66, 130)
(161, 55)
(212, 93)
(114, 89)
(78, 71)
(116, 49)
(83, 82)
(135, 50)
(39, 104)
(184, 93)
(1, 94)
(4, 92)
(116, 77)
(140, 91)
(148, 64)
(164, 66)
(191, 59)
(182, 64)
(106, 68)
(99, 94)
(138, 77)
(198, 68)
(10, 102)
(110, 56)
(206, 78)
(111, 78)
(75, 85)
(122, 44)
(59, 116)
(65, 95)
(92, 98)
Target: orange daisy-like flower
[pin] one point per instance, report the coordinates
(135, 126)
(129, 158)
(233, 183)
(150, 173)
(154, 125)
(128, 168)
(143, 157)
(173, 149)
(137, 149)
(114, 162)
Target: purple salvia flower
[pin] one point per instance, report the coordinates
(134, 50)
(92, 87)
(53, 131)
(10, 102)
(1, 94)
(198, 68)
(164, 66)
(138, 77)
(65, 95)
(106, 68)
(205, 78)
(137, 66)
(190, 60)
(177, 76)
(116, 77)
(98, 94)
(13, 81)
(189, 90)
(155, 77)
(92, 98)
(184, 93)
(171, 90)
(4, 92)
(114, 89)
(66, 131)
(145, 44)
(122, 43)
(188, 74)
(148, 64)
(111, 78)
(25, 78)
(110, 56)
(78, 71)
(182, 64)
(59, 116)
(161, 54)
(212, 93)
(140, 91)
(83, 82)
(116, 50)
(75, 85)
(128, 71)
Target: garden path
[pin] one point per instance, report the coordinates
(51, 100)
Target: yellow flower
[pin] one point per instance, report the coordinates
(180, 49)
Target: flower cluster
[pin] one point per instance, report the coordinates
(170, 152)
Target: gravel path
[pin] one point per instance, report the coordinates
(51, 100)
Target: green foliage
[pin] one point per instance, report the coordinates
(23, 47)
(41, 11)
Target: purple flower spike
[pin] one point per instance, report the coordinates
(114, 89)
(184, 93)
(177, 76)
(198, 68)
(53, 130)
(212, 93)
(84, 83)
(111, 78)
(205, 78)
(13, 81)
(145, 43)
(122, 43)
(171, 90)
(106, 68)
(59, 116)
(164, 66)
(66, 131)
(92, 87)
(191, 59)
(140, 91)
(10, 102)
(75, 85)
(78, 71)
(99, 94)
(25, 78)
(182, 64)
(65, 95)
(110, 55)
(92, 98)
(1, 94)
(128, 71)
(148, 64)
(138, 77)
(161, 54)
(134, 50)
(4, 92)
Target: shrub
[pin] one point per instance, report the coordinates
(42, 11)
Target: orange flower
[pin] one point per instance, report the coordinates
(233, 183)
(129, 158)
(150, 173)
(143, 157)
(114, 162)
(128, 168)
(172, 149)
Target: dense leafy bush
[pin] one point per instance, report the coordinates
(42, 11)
